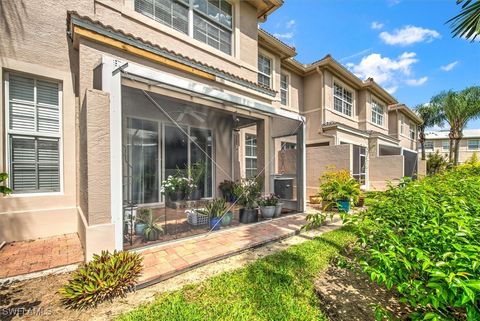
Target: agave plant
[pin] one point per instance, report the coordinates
(216, 208)
(107, 276)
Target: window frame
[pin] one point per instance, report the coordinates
(343, 100)
(429, 142)
(269, 76)
(445, 142)
(376, 115)
(249, 156)
(285, 90)
(473, 149)
(412, 131)
(35, 135)
(191, 13)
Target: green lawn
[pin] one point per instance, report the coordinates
(277, 287)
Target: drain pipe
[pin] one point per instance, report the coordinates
(323, 107)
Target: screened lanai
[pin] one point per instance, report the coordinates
(182, 141)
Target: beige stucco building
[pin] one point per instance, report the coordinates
(438, 141)
(102, 100)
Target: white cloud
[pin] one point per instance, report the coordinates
(290, 24)
(416, 82)
(391, 90)
(450, 66)
(408, 35)
(393, 2)
(376, 25)
(286, 35)
(289, 31)
(388, 72)
(360, 53)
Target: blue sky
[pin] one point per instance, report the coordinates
(404, 45)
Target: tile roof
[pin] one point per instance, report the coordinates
(443, 134)
(74, 18)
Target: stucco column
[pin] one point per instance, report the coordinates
(96, 229)
(263, 152)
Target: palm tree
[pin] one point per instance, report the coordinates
(458, 108)
(467, 23)
(431, 116)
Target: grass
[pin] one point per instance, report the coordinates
(277, 287)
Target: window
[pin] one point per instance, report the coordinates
(284, 89)
(428, 145)
(377, 113)
(33, 134)
(264, 70)
(473, 144)
(343, 101)
(287, 145)
(413, 132)
(445, 145)
(212, 19)
(402, 124)
(250, 155)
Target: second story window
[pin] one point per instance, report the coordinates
(284, 89)
(402, 125)
(342, 100)
(264, 70)
(377, 113)
(413, 132)
(212, 19)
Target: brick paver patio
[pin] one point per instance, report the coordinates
(19, 258)
(164, 261)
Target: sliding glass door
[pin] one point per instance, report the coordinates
(146, 164)
(142, 161)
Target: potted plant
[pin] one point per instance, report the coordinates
(215, 210)
(141, 219)
(152, 229)
(172, 188)
(247, 192)
(196, 172)
(267, 205)
(337, 187)
(227, 188)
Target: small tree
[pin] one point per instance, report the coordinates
(458, 108)
(431, 116)
(5, 190)
(435, 163)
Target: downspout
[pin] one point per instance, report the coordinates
(324, 113)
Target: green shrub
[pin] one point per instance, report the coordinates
(423, 239)
(5, 190)
(436, 163)
(105, 277)
(338, 185)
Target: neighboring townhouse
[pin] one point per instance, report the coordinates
(439, 141)
(105, 99)
(348, 127)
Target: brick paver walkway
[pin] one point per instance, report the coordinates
(164, 261)
(26, 257)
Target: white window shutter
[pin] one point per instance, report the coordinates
(47, 107)
(23, 164)
(22, 103)
(48, 165)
